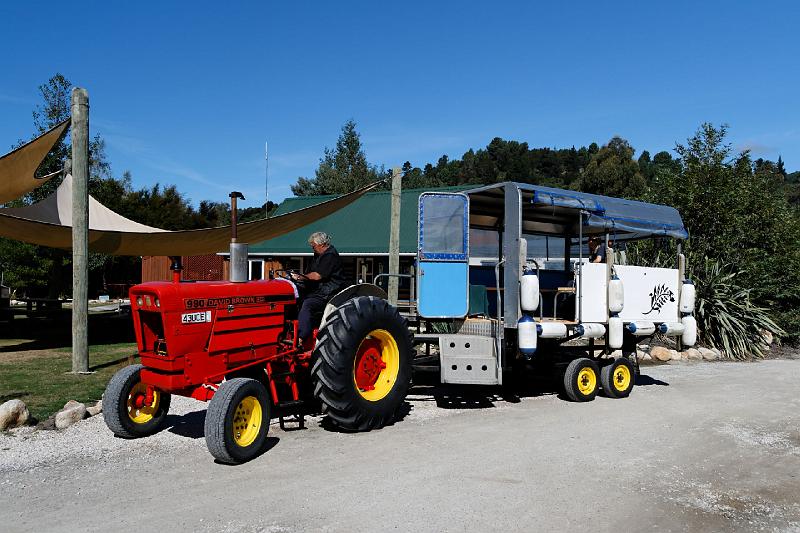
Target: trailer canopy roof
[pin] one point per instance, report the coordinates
(551, 211)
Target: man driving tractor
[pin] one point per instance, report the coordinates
(322, 279)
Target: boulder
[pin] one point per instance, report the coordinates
(675, 355)
(717, 353)
(693, 354)
(707, 354)
(95, 409)
(659, 353)
(71, 413)
(768, 337)
(13, 413)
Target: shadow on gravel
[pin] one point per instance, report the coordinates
(190, 425)
(270, 443)
(328, 425)
(643, 380)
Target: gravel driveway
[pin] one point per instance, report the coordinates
(697, 447)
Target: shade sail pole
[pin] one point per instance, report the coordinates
(394, 238)
(80, 230)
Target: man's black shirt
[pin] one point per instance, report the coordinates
(329, 267)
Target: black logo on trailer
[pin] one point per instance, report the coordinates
(661, 294)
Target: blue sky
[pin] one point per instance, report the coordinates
(188, 93)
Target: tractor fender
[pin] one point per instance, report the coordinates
(353, 291)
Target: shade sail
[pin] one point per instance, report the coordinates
(49, 223)
(17, 168)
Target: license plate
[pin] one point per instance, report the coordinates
(196, 318)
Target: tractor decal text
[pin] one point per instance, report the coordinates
(203, 303)
(661, 294)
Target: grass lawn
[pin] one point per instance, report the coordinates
(40, 378)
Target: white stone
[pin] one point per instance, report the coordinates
(659, 353)
(95, 409)
(675, 355)
(693, 354)
(13, 413)
(707, 354)
(71, 413)
(767, 336)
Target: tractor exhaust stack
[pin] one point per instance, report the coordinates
(239, 250)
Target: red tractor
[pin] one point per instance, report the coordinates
(236, 346)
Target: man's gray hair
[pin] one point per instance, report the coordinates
(319, 237)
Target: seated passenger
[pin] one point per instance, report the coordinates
(597, 250)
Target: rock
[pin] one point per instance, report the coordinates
(768, 337)
(71, 413)
(95, 409)
(675, 355)
(659, 353)
(693, 354)
(13, 413)
(707, 354)
(49, 424)
(717, 353)
(616, 353)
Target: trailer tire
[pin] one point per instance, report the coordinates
(581, 380)
(617, 378)
(361, 366)
(120, 411)
(237, 421)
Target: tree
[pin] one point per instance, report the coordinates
(341, 170)
(612, 171)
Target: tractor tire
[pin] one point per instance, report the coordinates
(123, 416)
(581, 380)
(361, 367)
(617, 378)
(237, 421)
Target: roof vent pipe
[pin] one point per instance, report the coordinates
(239, 252)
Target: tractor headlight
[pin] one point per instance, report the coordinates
(148, 301)
(138, 301)
(158, 304)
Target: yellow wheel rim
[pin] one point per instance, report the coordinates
(138, 411)
(247, 421)
(587, 381)
(376, 365)
(621, 378)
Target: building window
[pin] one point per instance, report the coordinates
(256, 269)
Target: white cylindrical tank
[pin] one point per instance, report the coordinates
(552, 330)
(642, 328)
(529, 291)
(689, 337)
(616, 295)
(615, 332)
(687, 297)
(590, 331)
(671, 329)
(526, 333)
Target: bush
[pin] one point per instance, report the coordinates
(727, 319)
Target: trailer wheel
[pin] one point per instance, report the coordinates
(237, 421)
(617, 378)
(581, 380)
(124, 408)
(361, 367)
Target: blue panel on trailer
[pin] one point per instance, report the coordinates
(443, 290)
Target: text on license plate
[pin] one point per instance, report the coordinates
(196, 318)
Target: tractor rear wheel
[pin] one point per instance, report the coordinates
(581, 380)
(125, 407)
(617, 378)
(237, 421)
(361, 367)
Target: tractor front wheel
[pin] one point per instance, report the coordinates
(361, 367)
(126, 410)
(237, 421)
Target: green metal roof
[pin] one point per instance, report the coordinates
(360, 228)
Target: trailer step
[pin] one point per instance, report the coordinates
(293, 408)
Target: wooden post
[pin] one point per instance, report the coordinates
(80, 230)
(394, 238)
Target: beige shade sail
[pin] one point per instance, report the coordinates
(17, 168)
(49, 223)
